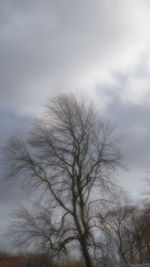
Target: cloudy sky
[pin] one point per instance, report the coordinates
(97, 48)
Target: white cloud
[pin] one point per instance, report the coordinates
(55, 46)
(137, 91)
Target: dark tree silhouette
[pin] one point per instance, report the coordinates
(70, 155)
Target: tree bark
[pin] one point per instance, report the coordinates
(86, 255)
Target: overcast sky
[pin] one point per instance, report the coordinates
(98, 48)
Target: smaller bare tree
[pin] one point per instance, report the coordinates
(125, 227)
(115, 223)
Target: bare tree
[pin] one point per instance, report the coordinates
(126, 228)
(70, 155)
(116, 224)
(141, 233)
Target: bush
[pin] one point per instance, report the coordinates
(75, 264)
(38, 260)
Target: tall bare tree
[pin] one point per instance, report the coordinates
(70, 155)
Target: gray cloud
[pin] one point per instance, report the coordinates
(51, 45)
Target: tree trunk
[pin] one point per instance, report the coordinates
(86, 255)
